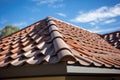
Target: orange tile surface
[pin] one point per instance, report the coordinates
(52, 41)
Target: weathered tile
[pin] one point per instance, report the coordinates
(52, 41)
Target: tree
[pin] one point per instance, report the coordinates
(7, 30)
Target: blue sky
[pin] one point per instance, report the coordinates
(100, 16)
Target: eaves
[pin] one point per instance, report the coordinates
(59, 69)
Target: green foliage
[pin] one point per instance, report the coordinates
(7, 30)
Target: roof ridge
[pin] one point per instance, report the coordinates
(69, 24)
(61, 47)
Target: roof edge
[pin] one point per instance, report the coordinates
(69, 23)
(91, 70)
(22, 29)
(33, 70)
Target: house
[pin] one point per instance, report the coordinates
(113, 38)
(51, 49)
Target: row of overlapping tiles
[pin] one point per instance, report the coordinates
(46, 42)
(38, 43)
(91, 47)
(113, 38)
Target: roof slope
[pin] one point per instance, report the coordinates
(113, 38)
(52, 41)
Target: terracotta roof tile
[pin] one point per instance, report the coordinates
(52, 41)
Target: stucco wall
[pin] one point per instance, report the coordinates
(68, 78)
(40, 78)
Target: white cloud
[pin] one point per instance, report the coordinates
(50, 3)
(92, 23)
(99, 14)
(98, 30)
(62, 14)
(47, 1)
(56, 5)
(32, 9)
(110, 21)
(20, 24)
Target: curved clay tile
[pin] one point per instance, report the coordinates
(52, 41)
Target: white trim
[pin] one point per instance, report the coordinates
(91, 70)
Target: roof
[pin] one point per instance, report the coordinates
(112, 38)
(53, 41)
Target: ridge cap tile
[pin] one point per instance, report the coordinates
(59, 43)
